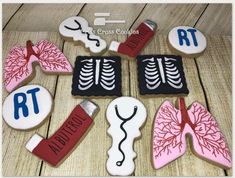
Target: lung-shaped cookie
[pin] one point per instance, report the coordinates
(125, 115)
(161, 74)
(171, 126)
(78, 29)
(19, 62)
(97, 76)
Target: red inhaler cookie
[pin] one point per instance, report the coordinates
(136, 42)
(54, 149)
(171, 126)
(27, 107)
(19, 62)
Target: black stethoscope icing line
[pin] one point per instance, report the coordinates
(124, 120)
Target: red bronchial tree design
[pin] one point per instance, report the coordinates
(18, 65)
(171, 126)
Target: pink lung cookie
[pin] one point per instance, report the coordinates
(171, 126)
(18, 66)
(27, 107)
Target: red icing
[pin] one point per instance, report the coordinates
(18, 65)
(136, 42)
(171, 125)
(54, 149)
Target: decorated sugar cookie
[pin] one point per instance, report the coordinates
(125, 115)
(136, 41)
(54, 149)
(97, 76)
(187, 41)
(19, 62)
(161, 74)
(171, 126)
(77, 29)
(27, 107)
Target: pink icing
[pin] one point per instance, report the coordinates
(171, 126)
(18, 65)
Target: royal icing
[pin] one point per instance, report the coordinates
(18, 66)
(97, 76)
(77, 28)
(161, 74)
(136, 41)
(125, 115)
(187, 40)
(54, 149)
(27, 107)
(171, 126)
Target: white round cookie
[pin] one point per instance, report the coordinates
(125, 115)
(27, 107)
(187, 41)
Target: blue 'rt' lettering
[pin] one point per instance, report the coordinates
(22, 104)
(182, 34)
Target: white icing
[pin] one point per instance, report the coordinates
(152, 78)
(102, 74)
(86, 77)
(173, 74)
(159, 60)
(97, 71)
(114, 46)
(33, 142)
(188, 50)
(108, 75)
(44, 101)
(78, 35)
(125, 106)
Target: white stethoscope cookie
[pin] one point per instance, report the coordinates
(77, 28)
(125, 115)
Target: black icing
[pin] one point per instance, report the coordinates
(163, 88)
(80, 28)
(97, 89)
(124, 120)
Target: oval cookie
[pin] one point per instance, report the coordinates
(187, 41)
(27, 107)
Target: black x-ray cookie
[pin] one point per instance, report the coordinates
(161, 74)
(97, 76)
